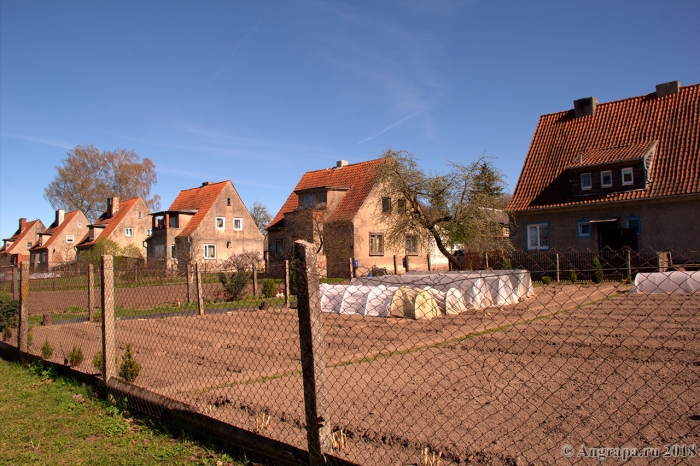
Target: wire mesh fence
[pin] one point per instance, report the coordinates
(496, 366)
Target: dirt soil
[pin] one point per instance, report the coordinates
(575, 364)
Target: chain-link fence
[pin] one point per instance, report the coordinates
(574, 356)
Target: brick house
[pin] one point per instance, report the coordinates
(343, 198)
(124, 222)
(208, 223)
(618, 174)
(56, 244)
(16, 248)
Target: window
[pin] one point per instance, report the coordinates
(386, 205)
(149, 232)
(627, 176)
(238, 224)
(128, 232)
(29, 244)
(583, 228)
(80, 224)
(172, 251)
(411, 245)
(606, 179)
(633, 222)
(279, 246)
(401, 205)
(228, 201)
(220, 223)
(139, 214)
(376, 244)
(586, 182)
(70, 239)
(538, 236)
(173, 222)
(210, 251)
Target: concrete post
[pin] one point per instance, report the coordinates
(352, 268)
(318, 434)
(188, 268)
(198, 282)
(266, 258)
(628, 260)
(557, 259)
(407, 263)
(23, 327)
(109, 368)
(286, 283)
(396, 270)
(255, 280)
(486, 259)
(15, 292)
(91, 292)
(428, 256)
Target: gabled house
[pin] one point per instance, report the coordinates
(56, 244)
(16, 248)
(208, 223)
(127, 223)
(613, 175)
(340, 210)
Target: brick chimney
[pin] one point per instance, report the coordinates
(112, 206)
(585, 107)
(60, 216)
(662, 90)
(22, 224)
(341, 163)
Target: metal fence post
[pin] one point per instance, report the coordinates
(312, 347)
(108, 332)
(91, 291)
(198, 282)
(286, 283)
(255, 280)
(557, 259)
(23, 327)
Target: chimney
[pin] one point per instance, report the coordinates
(341, 163)
(662, 90)
(112, 206)
(585, 107)
(22, 224)
(206, 183)
(60, 216)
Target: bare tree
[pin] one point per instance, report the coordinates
(445, 208)
(87, 177)
(261, 216)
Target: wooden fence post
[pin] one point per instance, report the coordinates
(352, 268)
(109, 368)
(91, 291)
(313, 366)
(286, 283)
(23, 327)
(266, 258)
(429, 264)
(198, 283)
(255, 280)
(396, 270)
(407, 263)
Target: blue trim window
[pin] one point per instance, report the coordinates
(633, 222)
(537, 236)
(583, 228)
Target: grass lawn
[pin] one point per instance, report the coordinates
(49, 419)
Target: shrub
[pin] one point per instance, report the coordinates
(6, 333)
(597, 271)
(234, 285)
(506, 264)
(546, 280)
(30, 336)
(269, 288)
(75, 357)
(572, 275)
(129, 368)
(9, 313)
(46, 349)
(98, 360)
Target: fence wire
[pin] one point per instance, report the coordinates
(506, 365)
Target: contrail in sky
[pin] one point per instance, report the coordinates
(393, 125)
(232, 54)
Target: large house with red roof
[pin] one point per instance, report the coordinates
(340, 210)
(123, 222)
(56, 244)
(207, 224)
(16, 248)
(614, 175)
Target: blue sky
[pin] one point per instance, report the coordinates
(260, 92)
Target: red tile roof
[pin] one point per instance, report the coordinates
(20, 236)
(623, 128)
(111, 223)
(201, 199)
(598, 156)
(358, 177)
(55, 231)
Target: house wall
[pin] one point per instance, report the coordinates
(139, 219)
(672, 223)
(60, 251)
(247, 239)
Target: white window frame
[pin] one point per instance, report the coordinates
(537, 228)
(223, 223)
(602, 179)
(210, 247)
(80, 224)
(378, 240)
(590, 182)
(630, 171)
(239, 222)
(129, 232)
(579, 232)
(172, 251)
(70, 239)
